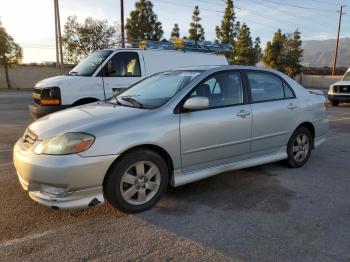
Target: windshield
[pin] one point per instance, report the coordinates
(155, 90)
(88, 66)
(346, 77)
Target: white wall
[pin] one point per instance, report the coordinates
(317, 81)
(26, 76)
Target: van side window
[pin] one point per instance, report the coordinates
(125, 64)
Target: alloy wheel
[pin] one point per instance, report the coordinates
(140, 183)
(301, 147)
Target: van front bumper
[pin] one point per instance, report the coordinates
(62, 182)
(38, 111)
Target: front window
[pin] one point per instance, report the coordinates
(89, 65)
(222, 89)
(346, 77)
(156, 90)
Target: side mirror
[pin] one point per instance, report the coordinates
(196, 103)
(109, 68)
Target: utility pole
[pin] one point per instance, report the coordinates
(337, 44)
(59, 34)
(122, 22)
(58, 37)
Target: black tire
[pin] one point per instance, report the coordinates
(293, 161)
(112, 183)
(334, 102)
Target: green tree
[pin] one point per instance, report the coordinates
(227, 31)
(245, 51)
(284, 53)
(80, 40)
(10, 53)
(273, 52)
(196, 31)
(175, 33)
(292, 54)
(143, 24)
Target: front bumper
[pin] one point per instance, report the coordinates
(339, 97)
(73, 181)
(38, 111)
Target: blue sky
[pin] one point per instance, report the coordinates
(32, 25)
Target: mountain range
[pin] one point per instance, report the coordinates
(320, 53)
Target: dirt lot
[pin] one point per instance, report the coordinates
(266, 213)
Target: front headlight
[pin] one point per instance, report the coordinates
(68, 143)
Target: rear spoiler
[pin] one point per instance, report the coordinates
(315, 92)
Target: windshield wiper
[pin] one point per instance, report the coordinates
(132, 101)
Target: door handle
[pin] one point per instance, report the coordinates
(291, 106)
(243, 113)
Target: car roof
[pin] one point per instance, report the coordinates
(225, 67)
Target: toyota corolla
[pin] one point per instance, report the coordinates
(174, 127)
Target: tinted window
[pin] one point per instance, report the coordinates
(125, 64)
(221, 89)
(265, 87)
(287, 92)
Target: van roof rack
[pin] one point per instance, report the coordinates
(186, 45)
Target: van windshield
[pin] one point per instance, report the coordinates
(88, 66)
(346, 77)
(155, 90)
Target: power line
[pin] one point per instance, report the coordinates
(298, 6)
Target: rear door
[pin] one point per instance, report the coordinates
(275, 109)
(127, 70)
(220, 134)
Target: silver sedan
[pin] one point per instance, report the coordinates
(174, 128)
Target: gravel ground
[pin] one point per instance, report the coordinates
(266, 213)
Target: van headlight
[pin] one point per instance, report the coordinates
(68, 143)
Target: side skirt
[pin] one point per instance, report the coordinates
(180, 178)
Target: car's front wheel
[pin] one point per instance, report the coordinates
(137, 181)
(299, 147)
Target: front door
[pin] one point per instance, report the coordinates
(220, 134)
(124, 70)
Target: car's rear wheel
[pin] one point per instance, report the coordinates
(334, 102)
(299, 147)
(137, 181)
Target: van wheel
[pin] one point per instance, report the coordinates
(334, 102)
(137, 181)
(299, 147)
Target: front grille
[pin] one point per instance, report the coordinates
(29, 139)
(342, 89)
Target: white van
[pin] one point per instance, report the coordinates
(110, 71)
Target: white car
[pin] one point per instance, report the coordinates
(108, 72)
(340, 91)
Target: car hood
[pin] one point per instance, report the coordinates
(341, 83)
(81, 118)
(57, 81)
